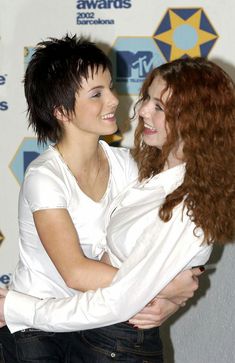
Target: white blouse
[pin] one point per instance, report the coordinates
(48, 184)
(150, 254)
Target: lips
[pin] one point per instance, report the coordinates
(109, 117)
(149, 130)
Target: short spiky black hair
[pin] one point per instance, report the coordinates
(53, 76)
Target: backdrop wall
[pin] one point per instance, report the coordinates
(143, 34)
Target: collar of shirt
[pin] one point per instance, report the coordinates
(169, 179)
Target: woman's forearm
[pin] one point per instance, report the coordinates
(142, 276)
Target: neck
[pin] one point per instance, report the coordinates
(84, 164)
(79, 154)
(173, 160)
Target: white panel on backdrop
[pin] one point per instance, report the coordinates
(143, 34)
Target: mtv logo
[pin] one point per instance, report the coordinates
(133, 58)
(131, 64)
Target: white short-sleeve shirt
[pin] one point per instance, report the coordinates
(48, 184)
(150, 254)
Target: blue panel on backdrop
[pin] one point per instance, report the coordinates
(27, 152)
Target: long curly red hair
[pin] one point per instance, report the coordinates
(201, 109)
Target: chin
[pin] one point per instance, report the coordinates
(153, 144)
(111, 130)
(149, 142)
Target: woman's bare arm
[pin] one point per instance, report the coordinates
(61, 242)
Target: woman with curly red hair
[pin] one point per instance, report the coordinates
(198, 103)
(165, 222)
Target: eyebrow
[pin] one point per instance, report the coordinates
(101, 86)
(94, 88)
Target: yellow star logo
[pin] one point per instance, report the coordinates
(187, 34)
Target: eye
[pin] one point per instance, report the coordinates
(159, 107)
(96, 94)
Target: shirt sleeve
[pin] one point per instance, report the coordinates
(44, 189)
(159, 255)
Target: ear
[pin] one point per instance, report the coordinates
(60, 113)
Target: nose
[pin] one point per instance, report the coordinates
(113, 100)
(144, 110)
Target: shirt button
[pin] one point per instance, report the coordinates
(113, 355)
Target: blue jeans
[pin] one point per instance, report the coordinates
(119, 343)
(36, 346)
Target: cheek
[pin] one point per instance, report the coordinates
(159, 121)
(94, 109)
(90, 112)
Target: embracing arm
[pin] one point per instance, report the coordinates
(157, 311)
(61, 242)
(154, 262)
(42, 192)
(56, 230)
(169, 300)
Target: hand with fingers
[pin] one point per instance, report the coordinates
(154, 314)
(169, 300)
(183, 286)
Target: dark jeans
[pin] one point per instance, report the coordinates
(7, 346)
(119, 343)
(36, 346)
(116, 343)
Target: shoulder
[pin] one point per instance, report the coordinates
(47, 161)
(45, 169)
(118, 154)
(121, 163)
(44, 186)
